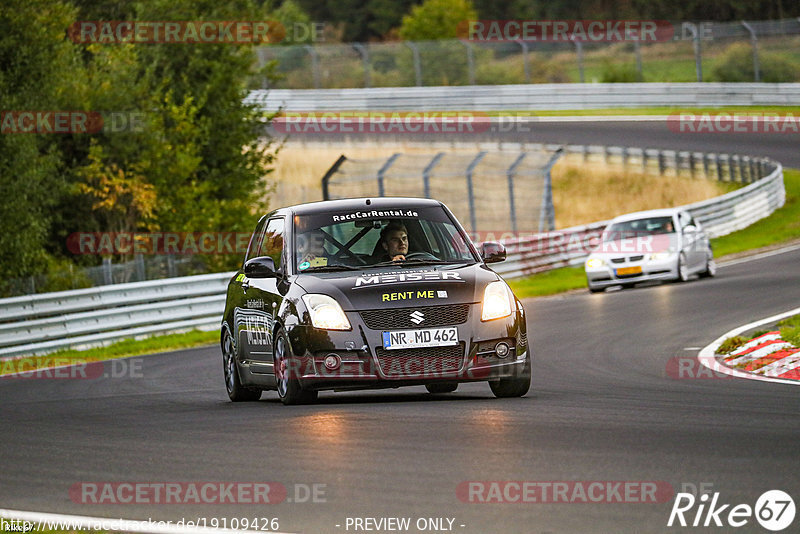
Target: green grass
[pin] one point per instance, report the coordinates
(120, 349)
(790, 329)
(780, 227)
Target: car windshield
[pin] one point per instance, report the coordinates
(369, 238)
(639, 228)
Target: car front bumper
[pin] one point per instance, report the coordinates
(363, 363)
(607, 275)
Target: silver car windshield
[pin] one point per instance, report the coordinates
(639, 227)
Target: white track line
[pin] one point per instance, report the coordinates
(104, 523)
(706, 356)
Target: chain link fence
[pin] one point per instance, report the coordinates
(488, 191)
(759, 50)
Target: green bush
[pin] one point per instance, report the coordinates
(619, 73)
(736, 65)
(731, 344)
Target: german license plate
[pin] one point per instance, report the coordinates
(627, 271)
(424, 337)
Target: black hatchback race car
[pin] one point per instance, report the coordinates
(370, 293)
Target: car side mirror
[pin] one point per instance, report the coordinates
(493, 252)
(261, 267)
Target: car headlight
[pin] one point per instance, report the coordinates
(325, 312)
(595, 263)
(497, 301)
(661, 256)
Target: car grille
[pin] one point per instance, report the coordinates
(630, 258)
(416, 363)
(401, 317)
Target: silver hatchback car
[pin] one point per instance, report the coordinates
(666, 244)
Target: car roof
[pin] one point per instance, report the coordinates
(347, 204)
(665, 212)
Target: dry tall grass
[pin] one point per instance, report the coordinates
(582, 192)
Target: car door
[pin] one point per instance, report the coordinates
(692, 246)
(262, 299)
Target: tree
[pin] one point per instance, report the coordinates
(436, 19)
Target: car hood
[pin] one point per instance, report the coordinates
(401, 287)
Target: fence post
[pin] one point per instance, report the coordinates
(579, 52)
(141, 274)
(525, 64)
(382, 171)
(326, 179)
(698, 60)
(470, 192)
(417, 63)
(365, 59)
(754, 41)
(637, 48)
(108, 279)
(470, 62)
(426, 174)
(547, 212)
(314, 65)
(511, 203)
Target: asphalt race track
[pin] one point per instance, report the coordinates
(604, 407)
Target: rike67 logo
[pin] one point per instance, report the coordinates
(774, 510)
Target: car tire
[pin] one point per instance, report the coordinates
(289, 390)
(233, 384)
(441, 387)
(683, 269)
(711, 267)
(515, 386)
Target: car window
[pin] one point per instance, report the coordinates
(255, 240)
(272, 244)
(639, 227)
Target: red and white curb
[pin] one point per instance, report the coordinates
(782, 359)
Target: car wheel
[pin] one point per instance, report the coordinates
(683, 269)
(515, 386)
(711, 267)
(442, 387)
(236, 391)
(289, 390)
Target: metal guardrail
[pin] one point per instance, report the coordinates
(47, 322)
(528, 97)
(38, 324)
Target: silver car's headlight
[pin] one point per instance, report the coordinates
(325, 312)
(595, 263)
(661, 256)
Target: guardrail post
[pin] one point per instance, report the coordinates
(740, 162)
(314, 65)
(662, 166)
(644, 161)
(470, 62)
(625, 157)
(470, 192)
(326, 179)
(511, 203)
(752, 169)
(426, 174)
(417, 62)
(365, 60)
(754, 42)
(382, 171)
(525, 64)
